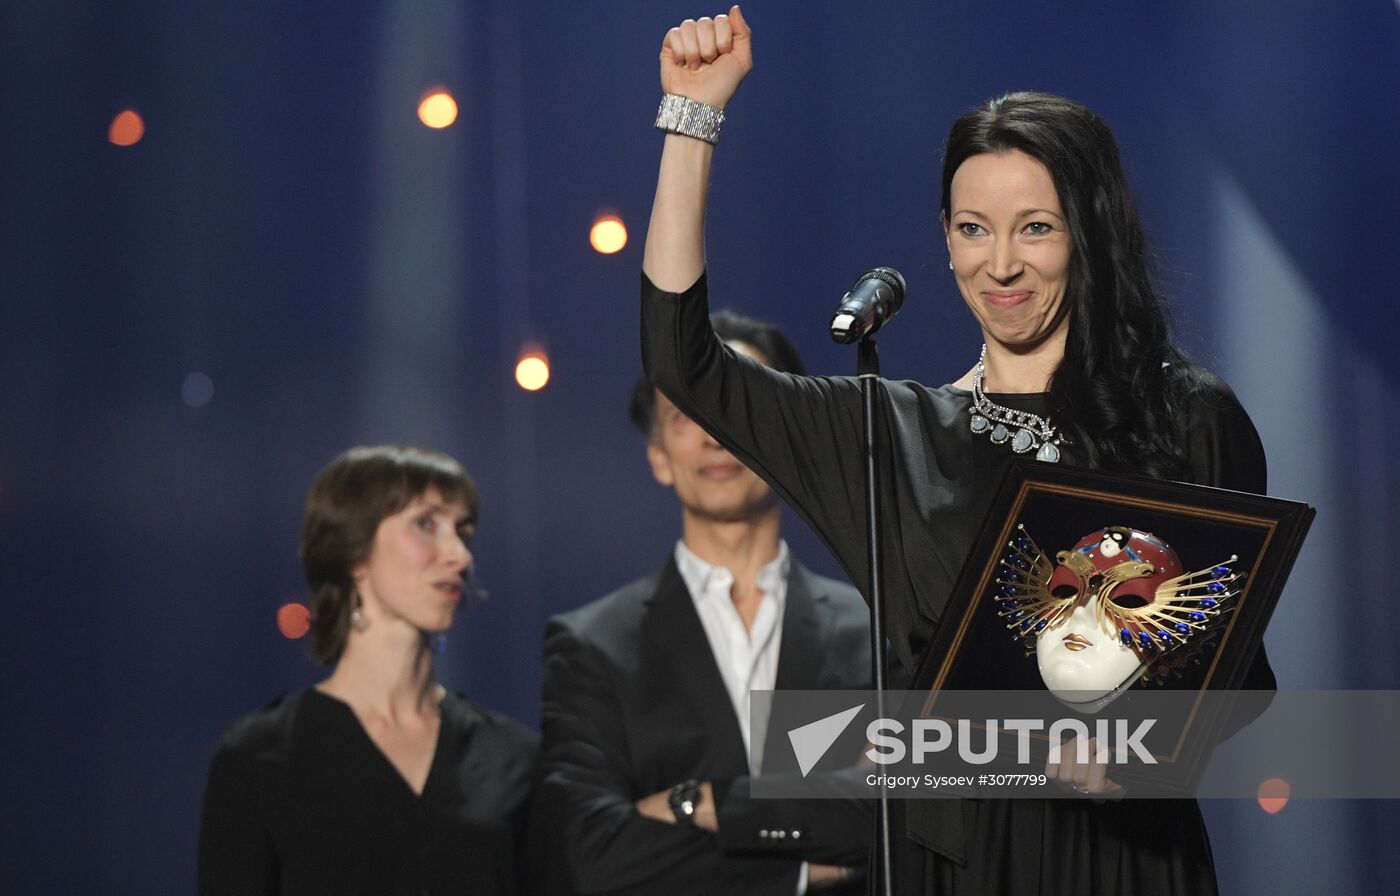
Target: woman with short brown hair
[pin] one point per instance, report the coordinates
(377, 780)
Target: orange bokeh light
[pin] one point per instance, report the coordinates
(608, 234)
(293, 620)
(127, 128)
(437, 109)
(532, 370)
(1273, 795)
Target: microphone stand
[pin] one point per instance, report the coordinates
(868, 370)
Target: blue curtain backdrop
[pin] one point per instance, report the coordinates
(291, 236)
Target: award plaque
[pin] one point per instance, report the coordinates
(1098, 597)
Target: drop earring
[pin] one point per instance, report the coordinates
(357, 617)
(950, 264)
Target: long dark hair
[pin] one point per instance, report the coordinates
(1121, 388)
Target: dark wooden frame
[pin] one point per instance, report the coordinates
(1194, 514)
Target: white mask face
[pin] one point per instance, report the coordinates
(1104, 613)
(1083, 665)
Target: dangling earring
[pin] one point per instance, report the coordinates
(950, 264)
(357, 618)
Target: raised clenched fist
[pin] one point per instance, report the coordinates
(705, 59)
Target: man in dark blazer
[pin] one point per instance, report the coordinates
(647, 751)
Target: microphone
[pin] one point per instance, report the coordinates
(875, 298)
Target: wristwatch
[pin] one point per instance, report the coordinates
(684, 797)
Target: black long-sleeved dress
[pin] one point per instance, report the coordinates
(803, 435)
(301, 801)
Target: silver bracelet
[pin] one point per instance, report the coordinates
(683, 115)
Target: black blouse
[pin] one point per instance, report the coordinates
(301, 801)
(802, 434)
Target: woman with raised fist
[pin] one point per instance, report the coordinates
(1048, 253)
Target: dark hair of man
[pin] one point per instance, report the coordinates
(764, 338)
(1120, 390)
(348, 501)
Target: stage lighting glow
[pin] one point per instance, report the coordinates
(532, 370)
(437, 109)
(1273, 795)
(608, 235)
(197, 389)
(127, 128)
(293, 620)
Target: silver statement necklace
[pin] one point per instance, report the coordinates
(1027, 431)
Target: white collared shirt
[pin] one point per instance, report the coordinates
(747, 659)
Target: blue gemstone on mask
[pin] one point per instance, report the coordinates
(1008, 605)
(1018, 614)
(1208, 602)
(1125, 636)
(1197, 616)
(1220, 572)
(1026, 624)
(1183, 628)
(1040, 626)
(1166, 637)
(1215, 587)
(1008, 590)
(1145, 640)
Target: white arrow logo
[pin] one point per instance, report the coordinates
(811, 741)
